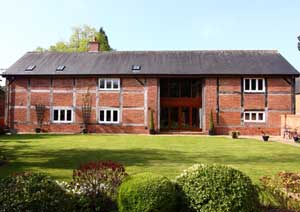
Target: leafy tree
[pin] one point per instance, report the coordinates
(79, 39)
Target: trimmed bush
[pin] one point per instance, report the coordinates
(147, 192)
(32, 192)
(209, 188)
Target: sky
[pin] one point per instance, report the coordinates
(153, 25)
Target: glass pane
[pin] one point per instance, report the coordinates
(260, 116)
(196, 88)
(185, 117)
(108, 115)
(260, 84)
(185, 88)
(108, 84)
(69, 115)
(115, 116)
(164, 87)
(253, 116)
(195, 118)
(247, 116)
(253, 84)
(101, 115)
(116, 84)
(247, 84)
(164, 117)
(174, 88)
(55, 115)
(102, 81)
(62, 115)
(174, 117)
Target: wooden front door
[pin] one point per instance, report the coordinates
(180, 104)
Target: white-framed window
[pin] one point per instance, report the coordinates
(109, 84)
(254, 116)
(109, 116)
(62, 115)
(254, 85)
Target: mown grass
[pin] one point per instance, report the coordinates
(58, 155)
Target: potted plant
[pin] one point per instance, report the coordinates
(295, 136)
(265, 137)
(40, 114)
(151, 130)
(211, 130)
(235, 134)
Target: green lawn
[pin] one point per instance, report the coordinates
(58, 155)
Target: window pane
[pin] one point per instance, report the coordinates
(62, 115)
(260, 116)
(195, 118)
(253, 84)
(116, 84)
(69, 115)
(164, 117)
(174, 117)
(253, 116)
(174, 88)
(196, 88)
(108, 84)
(102, 81)
(164, 88)
(108, 115)
(185, 88)
(247, 84)
(247, 116)
(185, 117)
(55, 115)
(115, 116)
(260, 84)
(101, 115)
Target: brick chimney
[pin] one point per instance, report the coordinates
(94, 46)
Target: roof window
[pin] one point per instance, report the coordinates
(136, 68)
(30, 68)
(60, 68)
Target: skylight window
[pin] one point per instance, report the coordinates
(136, 68)
(60, 68)
(30, 68)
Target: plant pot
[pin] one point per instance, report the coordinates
(152, 131)
(296, 139)
(85, 131)
(211, 132)
(235, 136)
(38, 130)
(265, 137)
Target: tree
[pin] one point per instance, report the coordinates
(79, 39)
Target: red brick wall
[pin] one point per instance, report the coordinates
(133, 97)
(231, 107)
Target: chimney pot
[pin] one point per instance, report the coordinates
(94, 46)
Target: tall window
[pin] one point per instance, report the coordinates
(62, 115)
(254, 116)
(109, 116)
(109, 84)
(254, 85)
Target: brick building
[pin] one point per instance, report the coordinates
(245, 90)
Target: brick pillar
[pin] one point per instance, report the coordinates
(210, 102)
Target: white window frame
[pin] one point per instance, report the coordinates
(59, 111)
(250, 90)
(112, 115)
(256, 120)
(105, 84)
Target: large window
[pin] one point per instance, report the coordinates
(177, 88)
(109, 116)
(109, 84)
(62, 115)
(254, 116)
(254, 85)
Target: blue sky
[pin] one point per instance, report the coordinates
(153, 24)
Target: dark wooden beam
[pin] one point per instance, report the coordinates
(287, 81)
(140, 81)
(293, 89)
(242, 99)
(218, 100)
(266, 92)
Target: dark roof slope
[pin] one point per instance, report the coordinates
(229, 62)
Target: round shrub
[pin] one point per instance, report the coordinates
(217, 188)
(32, 192)
(147, 192)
